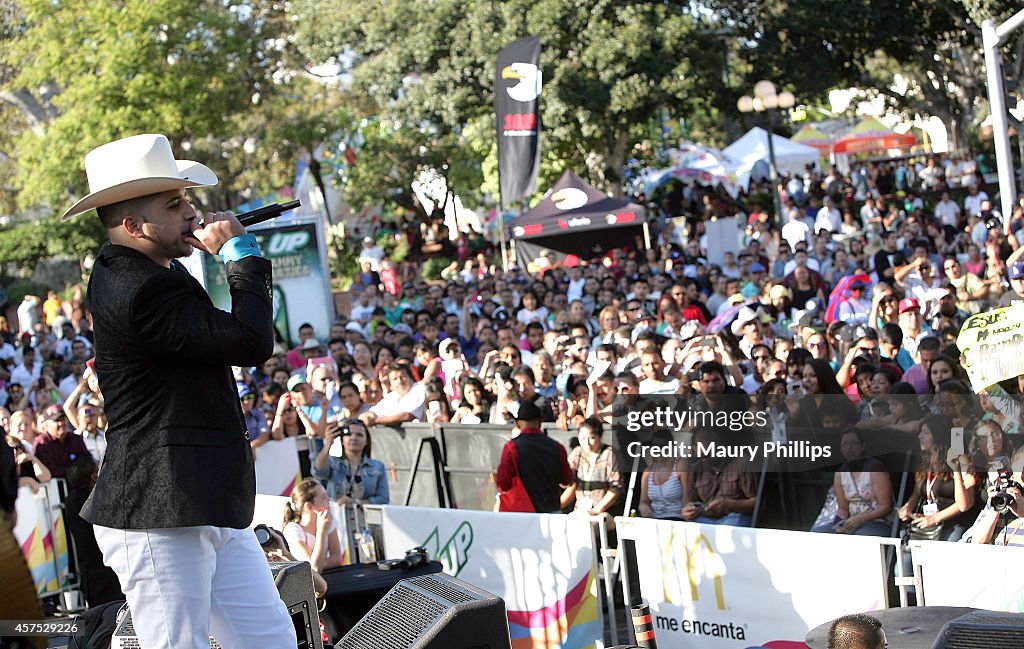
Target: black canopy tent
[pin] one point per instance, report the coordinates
(573, 218)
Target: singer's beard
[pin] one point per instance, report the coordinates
(167, 245)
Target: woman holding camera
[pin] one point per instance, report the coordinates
(309, 527)
(352, 476)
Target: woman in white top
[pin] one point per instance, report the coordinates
(309, 527)
(662, 489)
(863, 491)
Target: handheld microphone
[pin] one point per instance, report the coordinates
(266, 213)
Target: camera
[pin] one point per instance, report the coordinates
(1002, 501)
(851, 334)
(414, 558)
(992, 222)
(263, 534)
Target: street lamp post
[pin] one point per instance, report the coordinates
(765, 99)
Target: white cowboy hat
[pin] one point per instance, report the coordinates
(136, 166)
(745, 316)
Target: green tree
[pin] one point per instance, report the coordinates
(923, 57)
(215, 76)
(427, 70)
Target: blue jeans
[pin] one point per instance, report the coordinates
(734, 519)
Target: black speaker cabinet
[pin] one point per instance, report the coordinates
(433, 611)
(983, 630)
(295, 584)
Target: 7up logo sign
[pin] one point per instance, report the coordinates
(454, 554)
(286, 243)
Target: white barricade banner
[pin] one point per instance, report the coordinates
(962, 574)
(40, 533)
(737, 588)
(542, 565)
(277, 467)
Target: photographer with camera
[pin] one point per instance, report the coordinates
(991, 450)
(351, 475)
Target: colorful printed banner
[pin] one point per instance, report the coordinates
(542, 565)
(980, 576)
(40, 533)
(302, 286)
(277, 467)
(721, 587)
(992, 344)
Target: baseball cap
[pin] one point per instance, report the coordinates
(53, 412)
(778, 291)
(295, 381)
(243, 390)
(757, 268)
(311, 343)
(1017, 270)
(908, 304)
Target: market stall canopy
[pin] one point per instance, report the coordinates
(811, 136)
(752, 148)
(872, 135)
(696, 163)
(574, 217)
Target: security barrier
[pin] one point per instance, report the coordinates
(542, 565)
(720, 586)
(963, 574)
(41, 534)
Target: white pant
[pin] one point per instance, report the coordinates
(184, 584)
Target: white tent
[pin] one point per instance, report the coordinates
(752, 149)
(694, 163)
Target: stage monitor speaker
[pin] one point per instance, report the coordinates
(294, 581)
(983, 630)
(432, 612)
(295, 584)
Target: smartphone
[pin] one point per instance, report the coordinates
(956, 440)
(600, 367)
(326, 361)
(434, 408)
(708, 342)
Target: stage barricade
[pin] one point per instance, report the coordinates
(719, 586)
(41, 534)
(472, 453)
(542, 565)
(964, 574)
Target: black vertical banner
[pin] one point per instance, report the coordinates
(517, 87)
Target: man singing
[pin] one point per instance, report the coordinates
(177, 488)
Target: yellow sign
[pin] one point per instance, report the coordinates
(992, 344)
(693, 574)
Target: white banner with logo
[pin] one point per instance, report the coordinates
(277, 467)
(991, 343)
(979, 576)
(542, 565)
(737, 588)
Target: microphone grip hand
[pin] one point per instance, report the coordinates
(216, 229)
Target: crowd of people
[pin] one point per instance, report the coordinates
(842, 316)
